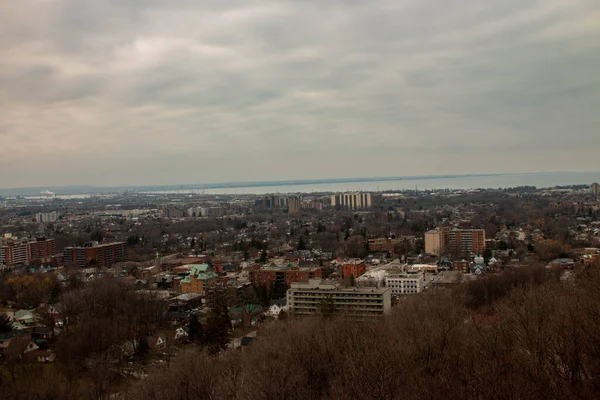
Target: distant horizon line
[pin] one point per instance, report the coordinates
(300, 182)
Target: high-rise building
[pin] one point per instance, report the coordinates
(46, 216)
(351, 201)
(294, 205)
(315, 296)
(41, 248)
(595, 189)
(465, 241)
(434, 242)
(100, 255)
(14, 251)
(455, 241)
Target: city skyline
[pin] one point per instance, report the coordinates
(123, 94)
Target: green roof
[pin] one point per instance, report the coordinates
(201, 272)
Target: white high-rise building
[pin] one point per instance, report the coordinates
(47, 217)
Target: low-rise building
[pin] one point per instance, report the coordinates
(353, 268)
(197, 280)
(315, 297)
(405, 283)
(269, 276)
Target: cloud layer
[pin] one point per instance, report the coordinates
(119, 92)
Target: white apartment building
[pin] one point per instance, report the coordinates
(46, 217)
(308, 298)
(405, 283)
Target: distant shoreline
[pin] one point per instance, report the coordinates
(78, 189)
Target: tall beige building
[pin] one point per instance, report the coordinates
(434, 242)
(595, 188)
(352, 201)
(294, 205)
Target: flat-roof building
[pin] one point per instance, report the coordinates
(100, 255)
(405, 283)
(312, 297)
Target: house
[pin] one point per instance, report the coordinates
(45, 356)
(181, 333)
(276, 307)
(42, 334)
(157, 342)
(13, 344)
(27, 317)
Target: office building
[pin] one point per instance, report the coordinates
(351, 201)
(95, 255)
(315, 297)
(270, 276)
(405, 283)
(46, 217)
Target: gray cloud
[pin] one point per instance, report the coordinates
(151, 92)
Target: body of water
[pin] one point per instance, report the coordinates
(539, 180)
(493, 181)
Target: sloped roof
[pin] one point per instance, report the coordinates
(201, 272)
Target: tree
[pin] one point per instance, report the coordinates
(142, 348)
(215, 335)
(132, 240)
(5, 325)
(301, 244)
(263, 257)
(97, 235)
(327, 306)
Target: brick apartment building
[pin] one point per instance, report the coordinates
(455, 241)
(100, 255)
(15, 251)
(270, 276)
(388, 245)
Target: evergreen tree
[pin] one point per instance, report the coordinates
(263, 257)
(194, 328)
(301, 245)
(327, 306)
(215, 334)
(5, 325)
(142, 349)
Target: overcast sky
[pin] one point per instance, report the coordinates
(117, 92)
